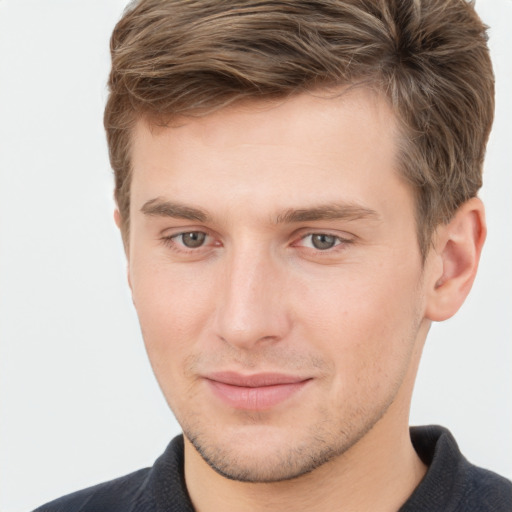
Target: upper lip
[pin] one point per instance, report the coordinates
(256, 380)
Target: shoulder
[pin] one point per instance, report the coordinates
(485, 490)
(124, 494)
(452, 483)
(147, 490)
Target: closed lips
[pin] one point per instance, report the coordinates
(254, 392)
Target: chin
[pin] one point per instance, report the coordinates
(266, 455)
(261, 465)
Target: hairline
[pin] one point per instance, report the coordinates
(403, 146)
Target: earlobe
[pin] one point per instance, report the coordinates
(458, 246)
(118, 221)
(117, 218)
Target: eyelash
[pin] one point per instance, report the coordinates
(170, 241)
(340, 242)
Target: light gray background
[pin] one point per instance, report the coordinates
(79, 404)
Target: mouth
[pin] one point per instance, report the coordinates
(254, 392)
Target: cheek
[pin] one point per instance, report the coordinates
(173, 307)
(366, 324)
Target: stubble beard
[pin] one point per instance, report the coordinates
(318, 446)
(289, 457)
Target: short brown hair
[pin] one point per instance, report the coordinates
(428, 57)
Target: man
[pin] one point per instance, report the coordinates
(297, 194)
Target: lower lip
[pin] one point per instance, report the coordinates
(255, 399)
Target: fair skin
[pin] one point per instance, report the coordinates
(283, 300)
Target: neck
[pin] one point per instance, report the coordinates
(372, 475)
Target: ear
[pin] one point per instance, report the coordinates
(118, 220)
(455, 258)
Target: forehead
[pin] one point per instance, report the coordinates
(295, 116)
(305, 149)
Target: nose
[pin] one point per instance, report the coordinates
(252, 305)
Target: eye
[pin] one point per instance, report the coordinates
(321, 241)
(191, 240)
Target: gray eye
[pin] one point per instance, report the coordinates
(323, 242)
(193, 239)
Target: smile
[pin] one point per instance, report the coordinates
(254, 392)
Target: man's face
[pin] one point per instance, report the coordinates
(277, 277)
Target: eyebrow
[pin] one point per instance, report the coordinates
(332, 211)
(162, 208)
